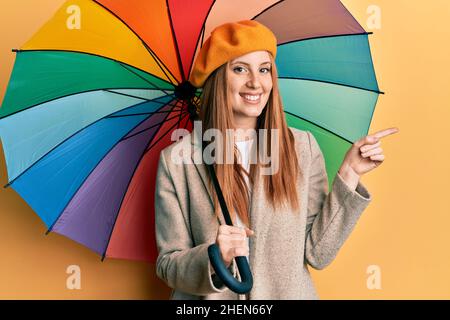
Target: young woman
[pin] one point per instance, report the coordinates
(283, 221)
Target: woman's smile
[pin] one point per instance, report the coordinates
(251, 98)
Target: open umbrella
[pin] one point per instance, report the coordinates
(96, 93)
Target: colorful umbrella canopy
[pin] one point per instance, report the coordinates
(91, 104)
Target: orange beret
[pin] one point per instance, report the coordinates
(227, 42)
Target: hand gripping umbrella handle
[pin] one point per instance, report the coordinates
(225, 275)
(214, 252)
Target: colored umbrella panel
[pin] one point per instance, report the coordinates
(332, 146)
(345, 111)
(133, 236)
(292, 20)
(151, 22)
(187, 28)
(223, 11)
(26, 140)
(42, 76)
(100, 33)
(344, 60)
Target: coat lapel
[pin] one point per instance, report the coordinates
(260, 220)
(196, 155)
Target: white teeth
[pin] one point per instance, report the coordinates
(252, 98)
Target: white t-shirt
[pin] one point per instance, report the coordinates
(244, 148)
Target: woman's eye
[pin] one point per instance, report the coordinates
(238, 68)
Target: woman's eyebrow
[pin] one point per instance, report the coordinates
(242, 62)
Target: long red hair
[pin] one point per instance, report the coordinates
(217, 113)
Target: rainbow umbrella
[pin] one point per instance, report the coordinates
(96, 93)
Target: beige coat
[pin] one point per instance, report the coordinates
(284, 243)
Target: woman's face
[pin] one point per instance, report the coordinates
(249, 85)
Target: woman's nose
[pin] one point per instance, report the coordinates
(253, 81)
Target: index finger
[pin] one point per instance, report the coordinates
(385, 132)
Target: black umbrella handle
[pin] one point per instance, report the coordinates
(214, 252)
(226, 276)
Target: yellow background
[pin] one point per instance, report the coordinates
(404, 231)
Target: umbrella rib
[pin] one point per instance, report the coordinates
(124, 195)
(351, 15)
(150, 51)
(162, 136)
(141, 113)
(283, 0)
(317, 125)
(96, 55)
(373, 67)
(81, 184)
(137, 35)
(331, 82)
(151, 113)
(43, 156)
(146, 129)
(73, 94)
(180, 64)
(269, 7)
(146, 80)
(130, 95)
(187, 122)
(201, 35)
(327, 36)
(179, 120)
(371, 116)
